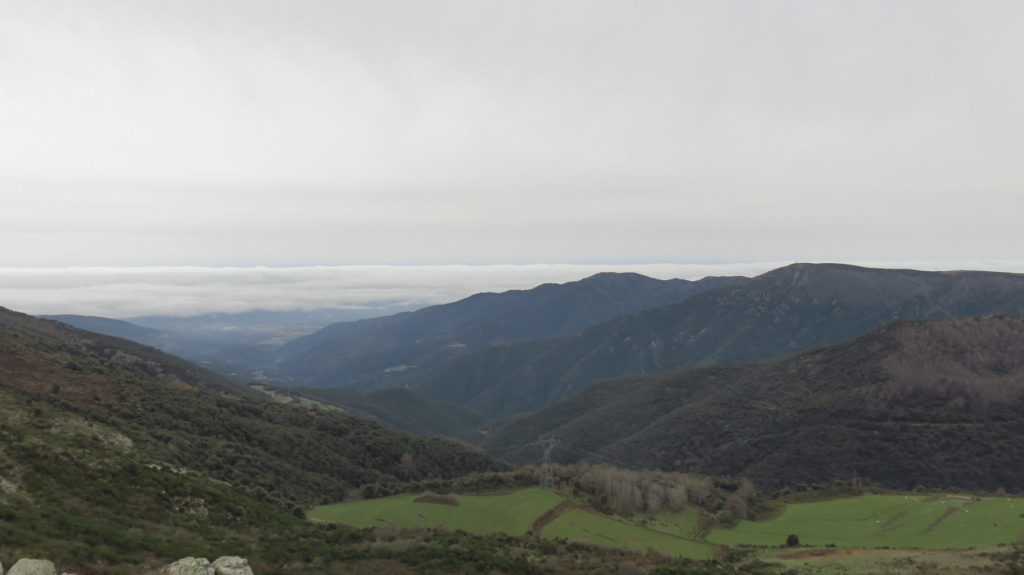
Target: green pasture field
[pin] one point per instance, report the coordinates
(895, 521)
(583, 526)
(512, 513)
(683, 524)
(858, 527)
(515, 513)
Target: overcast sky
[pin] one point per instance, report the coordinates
(241, 133)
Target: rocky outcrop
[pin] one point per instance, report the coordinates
(232, 566)
(189, 566)
(229, 565)
(33, 567)
(7, 486)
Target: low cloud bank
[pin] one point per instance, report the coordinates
(185, 291)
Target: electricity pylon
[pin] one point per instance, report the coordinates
(547, 476)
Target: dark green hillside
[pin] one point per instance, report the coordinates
(165, 406)
(397, 407)
(937, 404)
(781, 312)
(386, 351)
(112, 451)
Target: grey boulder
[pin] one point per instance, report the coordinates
(32, 567)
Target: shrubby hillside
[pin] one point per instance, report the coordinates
(115, 453)
(930, 403)
(397, 407)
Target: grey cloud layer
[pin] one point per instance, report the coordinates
(286, 133)
(127, 292)
(183, 291)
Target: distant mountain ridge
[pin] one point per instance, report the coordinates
(495, 353)
(781, 312)
(934, 403)
(229, 356)
(235, 344)
(148, 359)
(385, 351)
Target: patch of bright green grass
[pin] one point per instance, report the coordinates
(899, 521)
(578, 525)
(513, 513)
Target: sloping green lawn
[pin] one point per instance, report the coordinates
(512, 513)
(578, 525)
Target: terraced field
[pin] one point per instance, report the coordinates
(579, 525)
(897, 521)
(517, 513)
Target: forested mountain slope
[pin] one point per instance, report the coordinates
(784, 311)
(932, 403)
(397, 407)
(385, 351)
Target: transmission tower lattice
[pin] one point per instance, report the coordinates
(547, 477)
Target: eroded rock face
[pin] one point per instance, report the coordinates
(232, 566)
(32, 567)
(189, 566)
(7, 486)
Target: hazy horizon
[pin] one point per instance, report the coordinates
(195, 290)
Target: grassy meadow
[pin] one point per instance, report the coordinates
(513, 513)
(586, 527)
(516, 513)
(865, 534)
(896, 521)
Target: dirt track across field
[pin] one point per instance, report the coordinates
(820, 553)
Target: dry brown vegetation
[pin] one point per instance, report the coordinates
(968, 364)
(440, 499)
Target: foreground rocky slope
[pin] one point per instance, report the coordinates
(186, 566)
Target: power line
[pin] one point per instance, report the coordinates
(546, 457)
(571, 448)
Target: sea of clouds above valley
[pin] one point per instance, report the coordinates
(122, 292)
